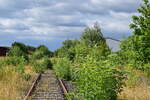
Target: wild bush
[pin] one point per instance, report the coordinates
(38, 68)
(17, 62)
(67, 50)
(18, 52)
(47, 63)
(20, 45)
(62, 69)
(93, 35)
(14, 61)
(97, 81)
(41, 51)
(42, 64)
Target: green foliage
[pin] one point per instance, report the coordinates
(18, 52)
(38, 68)
(139, 42)
(14, 61)
(62, 69)
(93, 35)
(30, 48)
(26, 76)
(18, 62)
(20, 68)
(67, 50)
(97, 80)
(98, 51)
(21, 46)
(47, 63)
(136, 49)
(42, 64)
(41, 51)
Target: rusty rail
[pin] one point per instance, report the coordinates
(64, 89)
(32, 87)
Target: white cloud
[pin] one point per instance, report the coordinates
(61, 19)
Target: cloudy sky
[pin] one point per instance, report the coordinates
(50, 22)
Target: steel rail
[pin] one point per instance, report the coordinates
(32, 87)
(64, 89)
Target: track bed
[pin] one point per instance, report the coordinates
(47, 88)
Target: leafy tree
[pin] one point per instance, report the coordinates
(70, 43)
(25, 48)
(30, 49)
(93, 35)
(21, 46)
(67, 50)
(141, 32)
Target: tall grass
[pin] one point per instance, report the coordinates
(137, 86)
(11, 84)
(141, 92)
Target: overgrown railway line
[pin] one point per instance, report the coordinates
(47, 87)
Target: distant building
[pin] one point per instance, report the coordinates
(3, 51)
(113, 44)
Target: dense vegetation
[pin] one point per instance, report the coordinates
(98, 73)
(88, 65)
(20, 66)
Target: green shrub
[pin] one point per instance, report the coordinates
(62, 69)
(20, 45)
(41, 65)
(38, 68)
(136, 49)
(17, 62)
(147, 69)
(47, 63)
(14, 61)
(41, 51)
(97, 80)
(20, 68)
(26, 77)
(17, 52)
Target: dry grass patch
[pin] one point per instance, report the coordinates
(12, 85)
(141, 92)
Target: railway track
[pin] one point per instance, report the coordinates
(47, 87)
